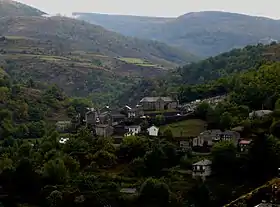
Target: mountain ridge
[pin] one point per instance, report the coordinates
(207, 33)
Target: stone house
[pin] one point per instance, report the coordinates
(91, 118)
(158, 103)
(202, 169)
(153, 131)
(104, 130)
(210, 137)
(135, 112)
(116, 118)
(104, 118)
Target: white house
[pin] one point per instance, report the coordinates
(133, 130)
(202, 169)
(153, 131)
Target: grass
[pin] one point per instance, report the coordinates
(137, 61)
(17, 38)
(187, 128)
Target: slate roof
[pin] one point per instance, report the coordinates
(133, 126)
(155, 99)
(118, 115)
(203, 163)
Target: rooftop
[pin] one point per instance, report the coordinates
(203, 162)
(134, 126)
(154, 99)
(128, 190)
(245, 141)
(260, 113)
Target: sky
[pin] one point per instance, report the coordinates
(163, 8)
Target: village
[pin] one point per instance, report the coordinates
(149, 118)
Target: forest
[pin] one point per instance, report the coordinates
(37, 170)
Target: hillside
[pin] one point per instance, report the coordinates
(201, 33)
(71, 34)
(27, 110)
(205, 71)
(13, 8)
(77, 73)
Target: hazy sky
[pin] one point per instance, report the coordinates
(268, 8)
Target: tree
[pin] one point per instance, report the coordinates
(160, 120)
(224, 157)
(22, 131)
(154, 192)
(154, 160)
(275, 129)
(4, 94)
(104, 159)
(55, 171)
(264, 159)
(168, 133)
(137, 167)
(225, 121)
(170, 152)
(202, 110)
(132, 147)
(55, 198)
(37, 129)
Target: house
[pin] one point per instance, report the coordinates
(133, 130)
(202, 169)
(135, 112)
(116, 118)
(184, 145)
(153, 131)
(104, 130)
(104, 118)
(76, 120)
(244, 145)
(126, 109)
(210, 137)
(91, 117)
(158, 103)
(62, 126)
(260, 113)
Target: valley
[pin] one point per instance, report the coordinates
(93, 116)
